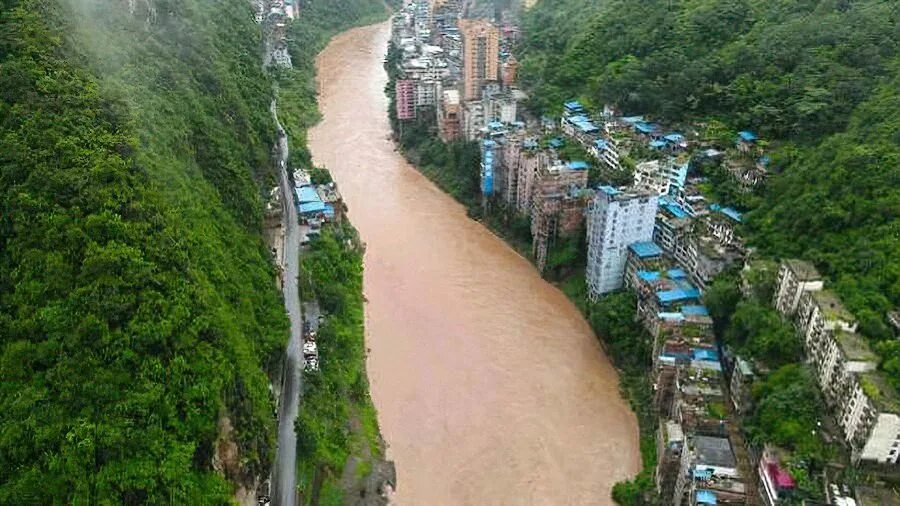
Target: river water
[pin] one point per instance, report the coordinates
(490, 386)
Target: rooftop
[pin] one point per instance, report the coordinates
(803, 270)
(646, 249)
(854, 346)
(880, 392)
(831, 306)
(714, 451)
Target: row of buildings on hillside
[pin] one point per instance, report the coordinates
(866, 407)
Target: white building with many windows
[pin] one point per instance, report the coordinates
(615, 220)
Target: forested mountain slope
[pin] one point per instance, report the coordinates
(137, 299)
(817, 77)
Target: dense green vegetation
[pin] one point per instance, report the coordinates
(629, 346)
(137, 301)
(337, 420)
(821, 78)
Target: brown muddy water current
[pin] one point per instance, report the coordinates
(490, 387)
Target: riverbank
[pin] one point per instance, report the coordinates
(454, 168)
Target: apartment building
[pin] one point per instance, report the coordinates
(449, 116)
(481, 55)
(615, 220)
(558, 205)
(794, 278)
(865, 405)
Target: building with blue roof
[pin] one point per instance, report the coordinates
(578, 165)
(678, 295)
(646, 249)
(573, 106)
(706, 498)
(658, 144)
(747, 136)
(556, 143)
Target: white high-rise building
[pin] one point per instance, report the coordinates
(615, 220)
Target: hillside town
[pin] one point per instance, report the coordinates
(636, 189)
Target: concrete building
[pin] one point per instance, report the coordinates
(449, 116)
(615, 220)
(865, 405)
(558, 206)
(660, 176)
(404, 98)
(481, 55)
(794, 278)
(473, 119)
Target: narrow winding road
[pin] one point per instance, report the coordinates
(284, 475)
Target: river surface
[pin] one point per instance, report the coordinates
(490, 386)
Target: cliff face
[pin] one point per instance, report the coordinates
(137, 303)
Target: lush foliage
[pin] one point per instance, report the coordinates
(137, 302)
(336, 418)
(629, 346)
(788, 411)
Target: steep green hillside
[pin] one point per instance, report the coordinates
(137, 299)
(819, 77)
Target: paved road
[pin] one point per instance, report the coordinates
(284, 475)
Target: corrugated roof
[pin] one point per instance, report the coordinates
(747, 135)
(578, 165)
(646, 249)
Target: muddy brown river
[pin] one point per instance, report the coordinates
(490, 386)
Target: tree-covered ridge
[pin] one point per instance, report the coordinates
(137, 302)
(783, 67)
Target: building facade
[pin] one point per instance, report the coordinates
(481, 55)
(615, 220)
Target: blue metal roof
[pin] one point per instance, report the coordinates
(695, 310)
(633, 119)
(574, 105)
(648, 275)
(706, 497)
(705, 354)
(312, 207)
(677, 273)
(600, 144)
(747, 135)
(676, 210)
(657, 144)
(679, 294)
(644, 127)
(307, 194)
(646, 249)
(495, 125)
(578, 165)
(556, 142)
(727, 211)
(609, 190)
(674, 138)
